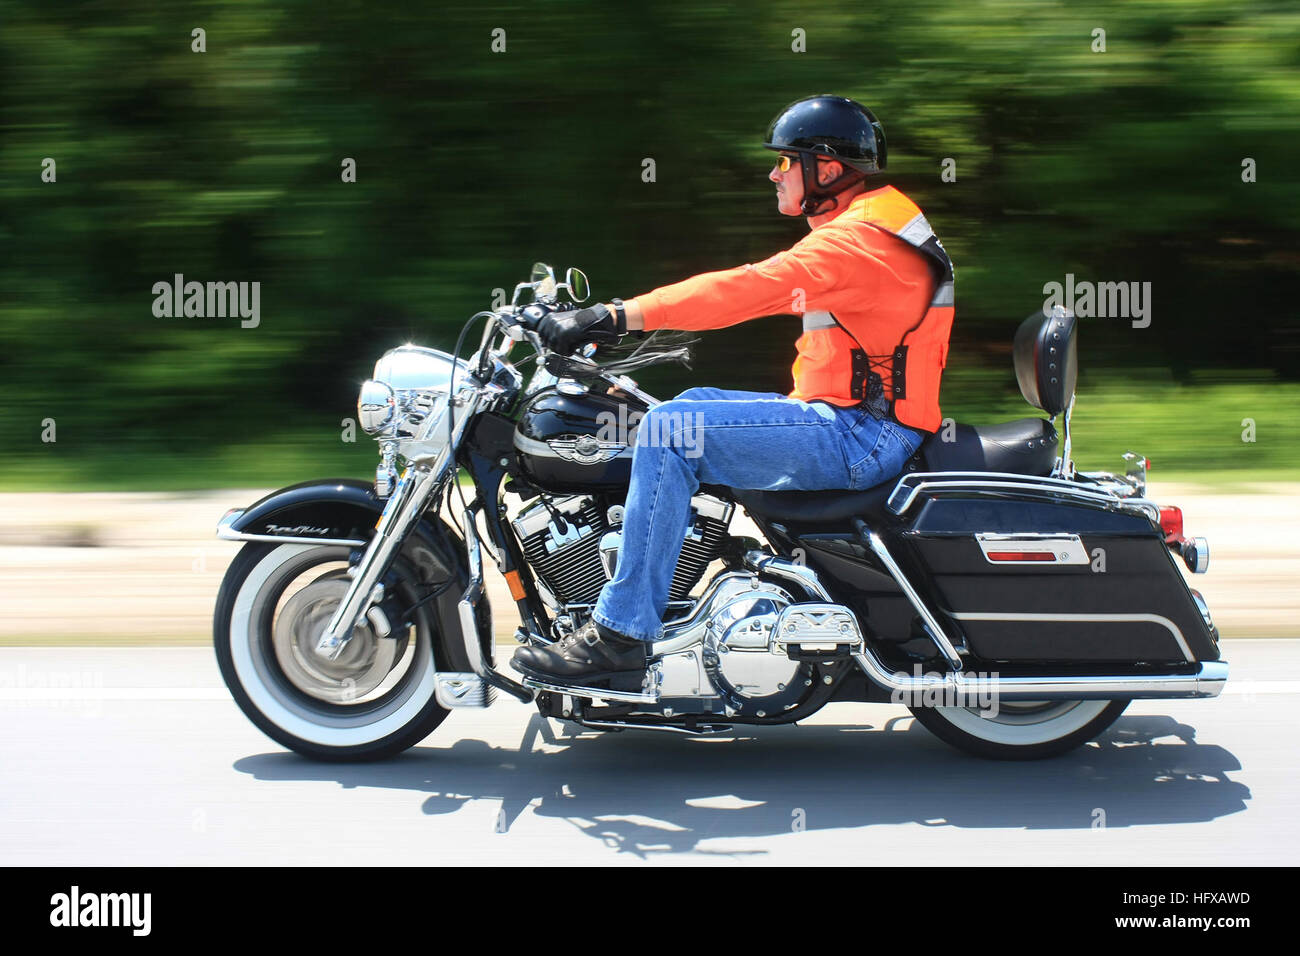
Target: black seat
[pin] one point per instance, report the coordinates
(818, 507)
(1045, 354)
(1026, 446)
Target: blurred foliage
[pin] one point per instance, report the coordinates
(1193, 432)
(225, 166)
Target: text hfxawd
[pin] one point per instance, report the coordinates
(990, 570)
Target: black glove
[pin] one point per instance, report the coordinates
(563, 332)
(531, 316)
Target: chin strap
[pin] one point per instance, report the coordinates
(816, 196)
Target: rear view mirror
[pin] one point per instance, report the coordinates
(575, 280)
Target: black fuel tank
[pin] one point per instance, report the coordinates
(569, 440)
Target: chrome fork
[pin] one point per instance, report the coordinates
(403, 510)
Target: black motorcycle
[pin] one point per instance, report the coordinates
(1013, 604)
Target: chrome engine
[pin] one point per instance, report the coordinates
(733, 651)
(571, 544)
(724, 656)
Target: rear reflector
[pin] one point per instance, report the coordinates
(1029, 547)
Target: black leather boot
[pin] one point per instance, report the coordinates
(590, 656)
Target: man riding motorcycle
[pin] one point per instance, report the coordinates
(874, 288)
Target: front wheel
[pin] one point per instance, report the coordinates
(1021, 730)
(375, 700)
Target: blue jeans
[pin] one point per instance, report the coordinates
(759, 440)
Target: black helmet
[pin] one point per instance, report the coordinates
(831, 126)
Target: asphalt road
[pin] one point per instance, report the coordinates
(127, 756)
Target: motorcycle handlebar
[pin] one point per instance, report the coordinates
(520, 325)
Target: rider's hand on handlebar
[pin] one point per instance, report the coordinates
(564, 331)
(530, 316)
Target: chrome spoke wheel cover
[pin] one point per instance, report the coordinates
(361, 667)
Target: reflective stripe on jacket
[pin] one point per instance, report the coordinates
(874, 288)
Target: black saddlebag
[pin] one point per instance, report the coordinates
(1054, 581)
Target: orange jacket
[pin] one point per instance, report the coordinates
(874, 287)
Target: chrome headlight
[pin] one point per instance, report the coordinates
(408, 396)
(412, 368)
(376, 406)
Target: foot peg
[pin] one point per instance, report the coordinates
(463, 690)
(815, 627)
(594, 693)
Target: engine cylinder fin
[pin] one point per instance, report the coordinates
(572, 570)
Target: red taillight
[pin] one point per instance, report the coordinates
(1022, 555)
(1171, 522)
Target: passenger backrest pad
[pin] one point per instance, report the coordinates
(1047, 359)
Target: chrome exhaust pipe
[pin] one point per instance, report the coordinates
(1206, 681)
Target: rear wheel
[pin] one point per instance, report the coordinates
(375, 700)
(1021, 730)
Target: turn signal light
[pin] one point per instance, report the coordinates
(1171, 523)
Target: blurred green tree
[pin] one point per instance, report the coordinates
(225, 165)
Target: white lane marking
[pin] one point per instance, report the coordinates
(114, 693)
(1262, 687)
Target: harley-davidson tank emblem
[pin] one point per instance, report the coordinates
(584, 449)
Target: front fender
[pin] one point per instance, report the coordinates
(329, 511)
(345, 511)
